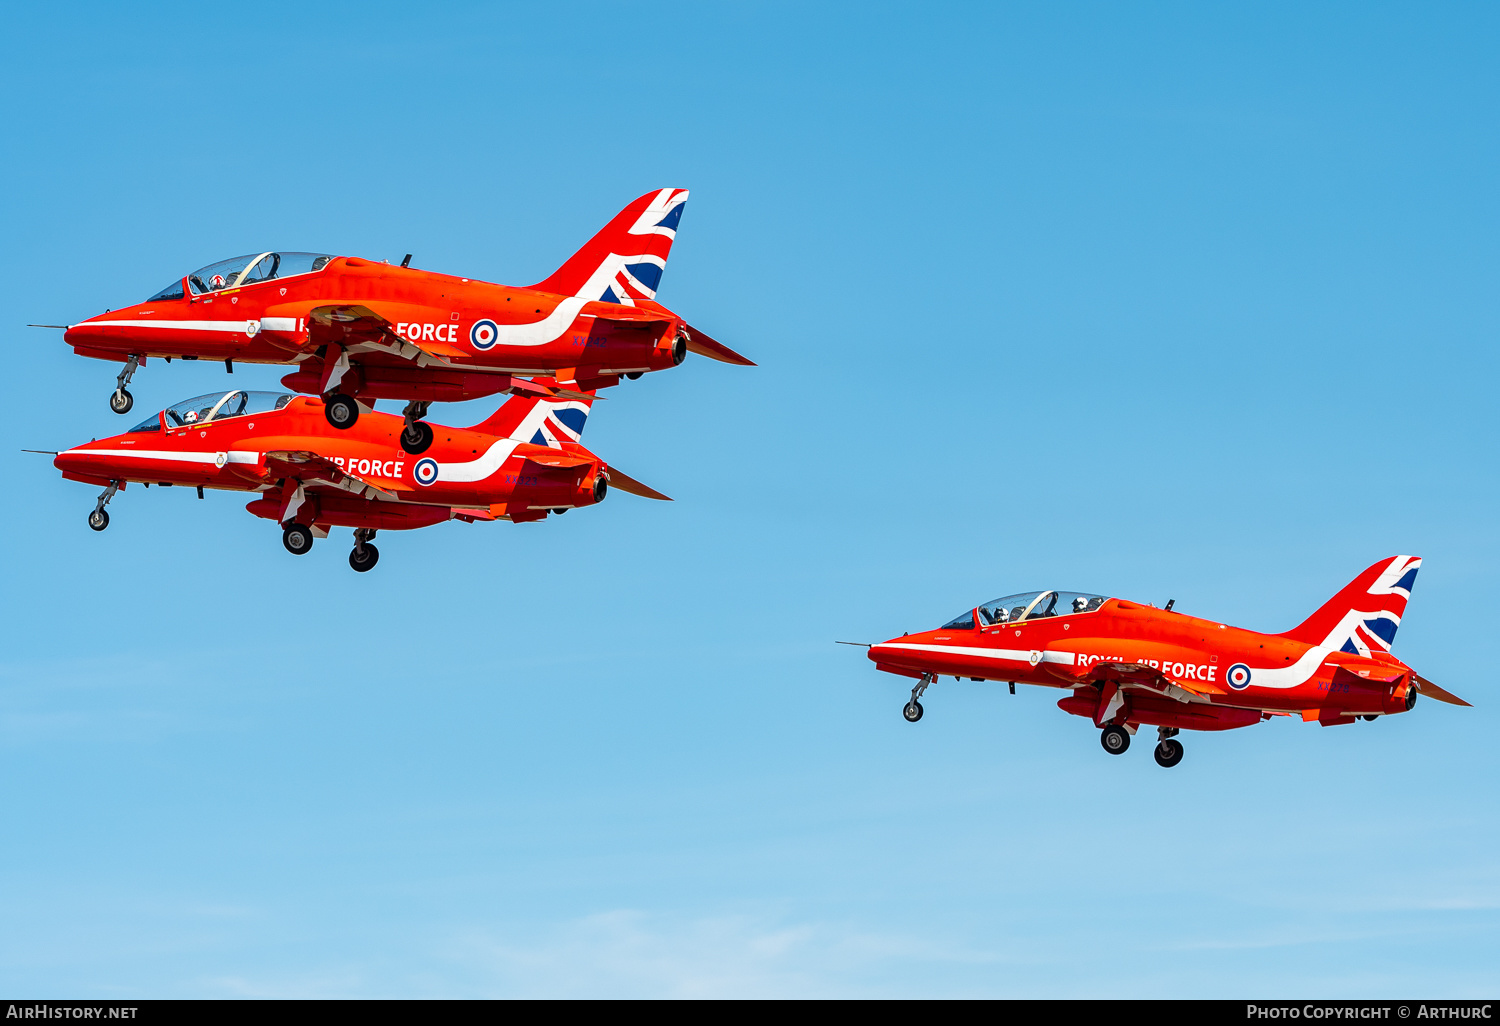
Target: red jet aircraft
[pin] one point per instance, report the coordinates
(1126, 664)
(360, 330)
(520, 464)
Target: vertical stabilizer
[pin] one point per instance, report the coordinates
(624, 262)
(1364, 616)
(549, 422)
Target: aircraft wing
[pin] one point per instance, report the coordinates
(1148, 678)
(316, 471)
(356, 325)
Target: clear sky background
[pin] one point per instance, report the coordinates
(1162, 301)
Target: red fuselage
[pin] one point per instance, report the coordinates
(429, 337)
(359, 477)
(1132, 664)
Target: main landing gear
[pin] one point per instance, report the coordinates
(340, 410)
(99, 519)
(121, 400)
(1115, 739)
(297, 539)
(1168, 752)
(415, 436)
(913, 710)
(365, 554)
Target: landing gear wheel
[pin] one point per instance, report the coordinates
(417, 438)
(364, 558)
(341, 411)
(298, 540)
(1169, 753)
(1369, 719)
(98, 520)
(120, 400)
(1115, 740)
(634, 375)
(912, 712)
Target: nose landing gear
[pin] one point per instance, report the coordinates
(365, 555)
(913, 709)
(1168, 752)
(416, 436)
(121, 400)
(99, 519)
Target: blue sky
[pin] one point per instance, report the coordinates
(1166, 301)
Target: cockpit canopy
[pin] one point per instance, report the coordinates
(1028, 605)
(215, 406)
(245, 270)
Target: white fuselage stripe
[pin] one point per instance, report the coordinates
(234, 455)
(238, 326)
(1010, 654)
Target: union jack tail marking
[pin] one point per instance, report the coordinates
(624, 262)
(1364, 616)
(548, 422)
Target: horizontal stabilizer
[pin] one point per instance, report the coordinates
(1428, 689)
(703, 344)
(620, 480)
(556, 458)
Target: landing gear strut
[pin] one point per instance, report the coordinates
(1115, 740)
(99, 519)
(365, 554)
(913, 710)
(415, 436)
(121, 400)
(1168, 752)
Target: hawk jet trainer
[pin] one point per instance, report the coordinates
(521, 464)
(358, 330)
(1125, 664)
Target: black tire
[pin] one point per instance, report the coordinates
(421, 442)
(1115, 740)
(98, 519)
(341, 411)
(635, 375)
(912, 712)
(297, 539)
(1169, 753)
(1369, 719)
(120, 400)
(371, 557)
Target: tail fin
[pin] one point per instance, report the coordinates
(624, 262)
(539, 421)
(1364, 616)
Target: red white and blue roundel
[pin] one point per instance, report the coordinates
(426, 471)
(483, 334)
(1238, 676)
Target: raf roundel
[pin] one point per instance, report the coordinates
(484, 334)
(1238, 676)
(426, 471)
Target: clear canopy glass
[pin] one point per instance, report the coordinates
(218, 406)
(1027, 605)
(245, 270)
